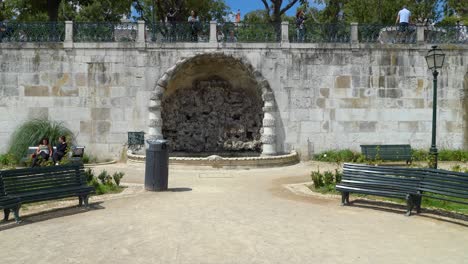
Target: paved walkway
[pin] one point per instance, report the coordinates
(233, 216)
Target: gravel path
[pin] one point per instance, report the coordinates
(230, 216)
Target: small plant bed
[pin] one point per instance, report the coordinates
(418, 155)
(325, 182)
(104, 182)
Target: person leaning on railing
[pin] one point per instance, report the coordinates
(403, 19)
(171, 19)
(300, 26)
(194, 25)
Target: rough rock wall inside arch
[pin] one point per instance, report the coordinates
(211, 116)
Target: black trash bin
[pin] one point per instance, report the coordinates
(157, 162)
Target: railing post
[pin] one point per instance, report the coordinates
(420, 33)
(213, 29)
(68, 43)
(141, 33)
(354, 33)
(285, 32)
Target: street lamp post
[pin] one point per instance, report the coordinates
(435, 60)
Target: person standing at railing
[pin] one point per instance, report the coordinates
(171, 19)
(403, 19)
(300, 26)
(194, 24)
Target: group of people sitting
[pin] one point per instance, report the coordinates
(44, 151)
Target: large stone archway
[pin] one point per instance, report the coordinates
(205, 68)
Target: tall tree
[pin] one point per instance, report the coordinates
(274, 9)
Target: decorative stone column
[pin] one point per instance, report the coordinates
(269, 125)
(213, 29)
(284, 32)
(354, 33)
(155, 120)
(141, 33)
(420, 33)
(68, 42)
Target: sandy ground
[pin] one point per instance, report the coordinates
(229, 216)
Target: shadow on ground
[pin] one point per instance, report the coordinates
(49, 214)
(179, 189)
(445, 216)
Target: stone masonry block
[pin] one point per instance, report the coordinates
(36, 91)
(100, 113)
(343, 82)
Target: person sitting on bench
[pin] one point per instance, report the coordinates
(43, 150)
(60, 150)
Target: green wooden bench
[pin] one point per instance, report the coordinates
(443, 185)
(387, 152)
(44, 183)
(394, 182)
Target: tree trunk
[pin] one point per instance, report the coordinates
(52, 9)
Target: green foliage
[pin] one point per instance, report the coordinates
(44, 10)
(103, 182)
(207, 10)
(379, 11)
(7, 161)
(317, 179)
(338, 156)
(103, 177)
(89, 159)
(32, 132)
(117, 176)
(326, 182)
(453, 155)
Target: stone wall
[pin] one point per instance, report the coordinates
(327, 95)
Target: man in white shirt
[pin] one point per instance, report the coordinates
(404, 18)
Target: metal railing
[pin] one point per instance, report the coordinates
(320, 33)
(248, 32)
(32, 31)
(386, 34)
(104, 32)
(178, 32)
(457, 34)
(213, 32)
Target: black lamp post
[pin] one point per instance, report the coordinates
(435, 60)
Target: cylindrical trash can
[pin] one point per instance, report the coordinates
(157, 161)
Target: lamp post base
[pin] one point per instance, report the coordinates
(433, 153)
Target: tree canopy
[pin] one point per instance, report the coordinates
(206, 10)
(53, 10)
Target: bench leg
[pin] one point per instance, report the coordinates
(86, 199)
(16, 214)
(418, 204)
(6, 213)
(344, 198)
(80, 200)
(409, 204)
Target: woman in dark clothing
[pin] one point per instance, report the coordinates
(60, 151)
(43, 150)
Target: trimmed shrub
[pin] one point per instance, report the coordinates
(117, 177)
